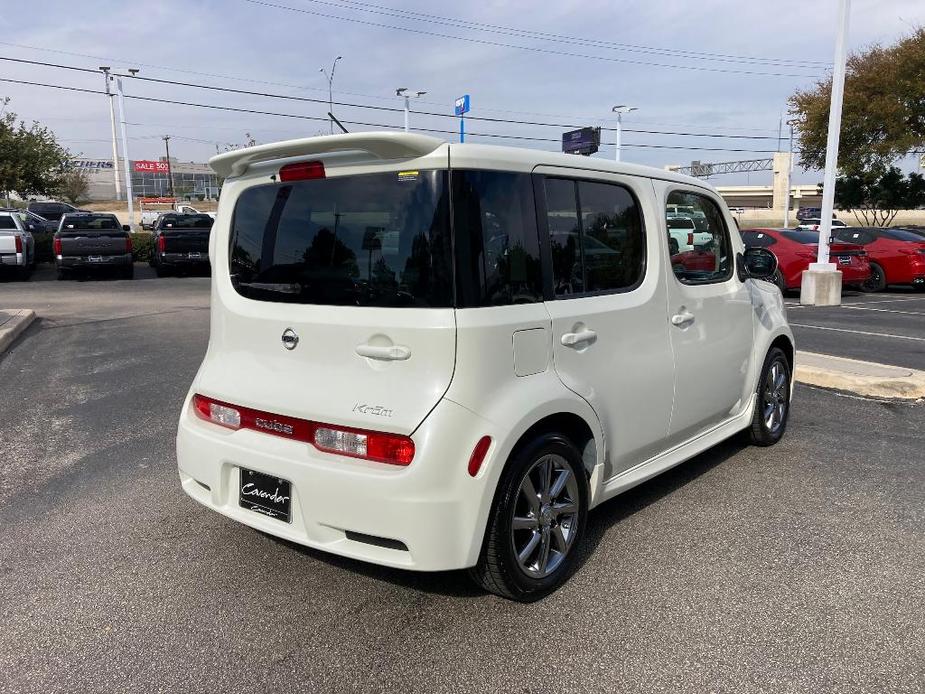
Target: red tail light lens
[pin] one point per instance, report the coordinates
(128, 244)
(56, 246)
(380, 447)
(19, 244)
(302, 171)
(690, 238)
(161, 244)
(478, 455)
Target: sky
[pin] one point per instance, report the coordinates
(713, 67)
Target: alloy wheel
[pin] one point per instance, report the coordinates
(774, 397)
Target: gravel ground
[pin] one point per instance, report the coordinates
(791, 569)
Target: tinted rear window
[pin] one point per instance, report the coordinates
(757, 239)
(188, 221)
(373, 240)
(681, 223)
(86, 222)
(901, 235)
(6, 222)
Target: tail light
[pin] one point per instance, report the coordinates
(161, 244)
(302, 171)
(690, 238)
(19, 244)
(381, 447)
(128, 244)
(912, 251)
(56, 246)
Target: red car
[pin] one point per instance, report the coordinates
(897, 256)
(795, 250)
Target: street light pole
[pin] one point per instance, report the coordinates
(112, 123)
(330, 77)
(620, 110)
(406, 95)
(821, 284)
(128, 173)
(169, 170)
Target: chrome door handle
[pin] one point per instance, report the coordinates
(393, 353)
(579, 338)
(682, 318)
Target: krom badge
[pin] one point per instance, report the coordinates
(290, 339)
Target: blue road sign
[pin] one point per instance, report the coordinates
(462, 105)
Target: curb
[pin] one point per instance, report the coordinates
(861, 377)
(12, 322)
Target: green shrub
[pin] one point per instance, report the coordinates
(142, 246)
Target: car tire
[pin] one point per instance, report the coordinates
(877, 280)
(772, 402)
(545, 488)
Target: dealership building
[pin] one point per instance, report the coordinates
(150, 179)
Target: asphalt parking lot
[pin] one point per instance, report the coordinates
(791, 569)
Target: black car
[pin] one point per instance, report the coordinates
(52, 210)
(87, 241)
(181, 243)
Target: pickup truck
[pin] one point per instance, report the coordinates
(181, 242)
(17, 246)
(149, 217)
(683, 234)
(90, 241)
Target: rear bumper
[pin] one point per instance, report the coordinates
(13, 259)
(78, 261)
(183, 259)
(433, 507)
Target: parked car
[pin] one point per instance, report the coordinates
(37, 224)
(795, 250)
(181, 242)
(150, 216)
(52, 210)
(812, 224)
(89, 241)
(897, 256)
(810, 212)
(684, 231)
(411, 366)
(17, 245)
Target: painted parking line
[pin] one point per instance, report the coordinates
(883, 310)
(858, 332)
(886, 301)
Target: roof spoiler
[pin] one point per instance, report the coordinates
(380, 145)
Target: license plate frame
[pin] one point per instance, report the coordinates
(844, 260)
(268, 495)
(194, 255)
(94, 259)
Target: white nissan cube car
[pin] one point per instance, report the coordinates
(441, 356)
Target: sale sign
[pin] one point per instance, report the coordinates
(147, 166)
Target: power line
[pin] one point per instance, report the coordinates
(289, 97)
(561, 38)
(534, 49)
(236, 109)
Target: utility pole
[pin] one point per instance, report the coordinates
(330, 77)
(112, 122)
(620, 110)
(406, 95)
(128, 173)
(821, 283)
(169, 170)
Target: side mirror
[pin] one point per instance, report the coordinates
(756, 263)
(126, 227)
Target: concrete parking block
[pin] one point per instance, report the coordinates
(12, 322)
(862, 377)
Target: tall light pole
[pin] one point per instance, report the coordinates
(330, 77)
(821, 284)
(406, 95)
(112, 122)
(789, 178)
(166, 139)
(620, 110)
(128, 173)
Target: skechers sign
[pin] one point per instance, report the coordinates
(584, 141)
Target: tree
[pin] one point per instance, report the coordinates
(74, 185)
(875, 197)
(883, 117)
(31, 160)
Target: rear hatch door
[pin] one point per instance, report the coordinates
(333, 297)
(87, 243)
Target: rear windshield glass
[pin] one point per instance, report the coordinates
(188, 221)
(6, 222)
(901, 235)
(806, 237)
(680, 223)
(91, 222)
(373, 240)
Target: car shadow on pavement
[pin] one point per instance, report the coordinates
(611, 512)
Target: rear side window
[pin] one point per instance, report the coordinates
(497, 246)
(6, 222)
(705, 255)
(373, 240)
(595, 235)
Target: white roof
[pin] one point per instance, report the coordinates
(392, 145)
